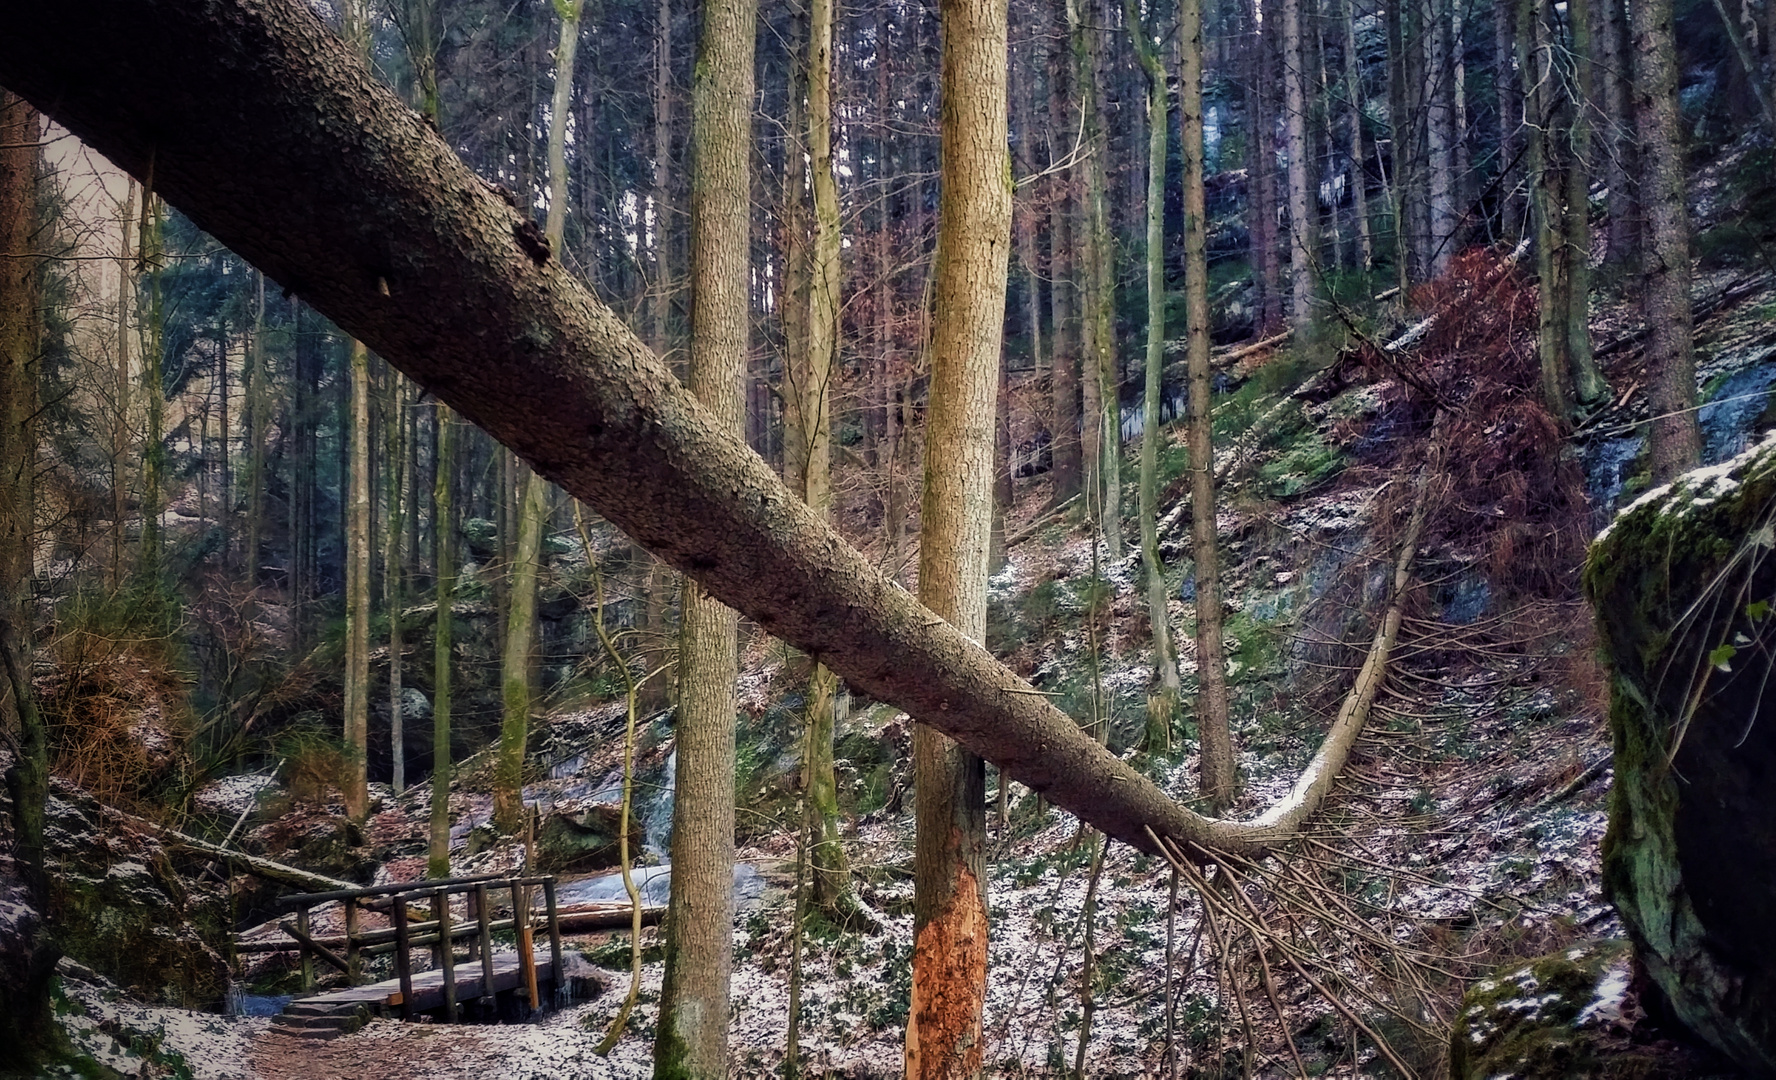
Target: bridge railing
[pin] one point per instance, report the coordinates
(436, 930)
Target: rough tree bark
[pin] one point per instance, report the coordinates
(1665, 245)
(1216, 740)
(692, 1038)
(356, 722)
(234, 98)
(943, 1038)
(27, 951)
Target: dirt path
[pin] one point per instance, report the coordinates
(393, 1050)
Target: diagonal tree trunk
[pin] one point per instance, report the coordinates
(234, 98)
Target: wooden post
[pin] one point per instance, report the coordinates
(526, 956)
(555, 970)
(351, 940)
(403, 959)
(486, 919)
(447, 952)
(308, 964)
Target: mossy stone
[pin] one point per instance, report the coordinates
(1682, 585)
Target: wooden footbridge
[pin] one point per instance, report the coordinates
(512, 982)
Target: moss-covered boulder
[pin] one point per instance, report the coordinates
(1684, 586)
(1548, 1019)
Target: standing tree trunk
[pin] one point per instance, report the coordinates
(1665, 259)
(1400, 143)
(357, 591)
(1217, 765)
(1267, 263)
(944, 1038)
(256, 394)
(532, 510)
(1100, 430)
(692, 1038)
(395, 436)
(1438, 94)
(1615, 56)
(1063, 291)
(832, 875)
(1162, 705)
(357, 536)
(1510, 118)
(444, 573)
(1353, 90)
(27, 1026)
(148, 559)
(1301, 196)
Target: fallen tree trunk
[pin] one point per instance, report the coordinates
(272, 135)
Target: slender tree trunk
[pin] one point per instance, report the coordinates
(1301, 196)
(148, 560)
(1353, 91)
(20, 343)
(357, 590)
(515, 656)
(395, 429)
(1440, 136)
(357, 538)
(1267, 259)
(1025, 216)
(120, 426)
(256, 420)
(1665, 266)
(831, 873)
(1162, 703)
(1063, 294)
(1510, 118)
(1400, 141)
(1100, 430)
(1216, 764)
(531, 514)
(944, 1038)
(443, 633)
(1616, 57)
(692, 1037)
(1589, 388)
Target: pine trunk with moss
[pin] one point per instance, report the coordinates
(1162, 702)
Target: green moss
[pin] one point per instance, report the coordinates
(1544, 1020)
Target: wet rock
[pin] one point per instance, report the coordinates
(584, 839)
(1683, 586)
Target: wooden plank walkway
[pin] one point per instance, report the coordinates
(345, 1009)
(428, 986)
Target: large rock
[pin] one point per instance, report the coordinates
(119, 906)
(585, 838)
(1684, 586)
